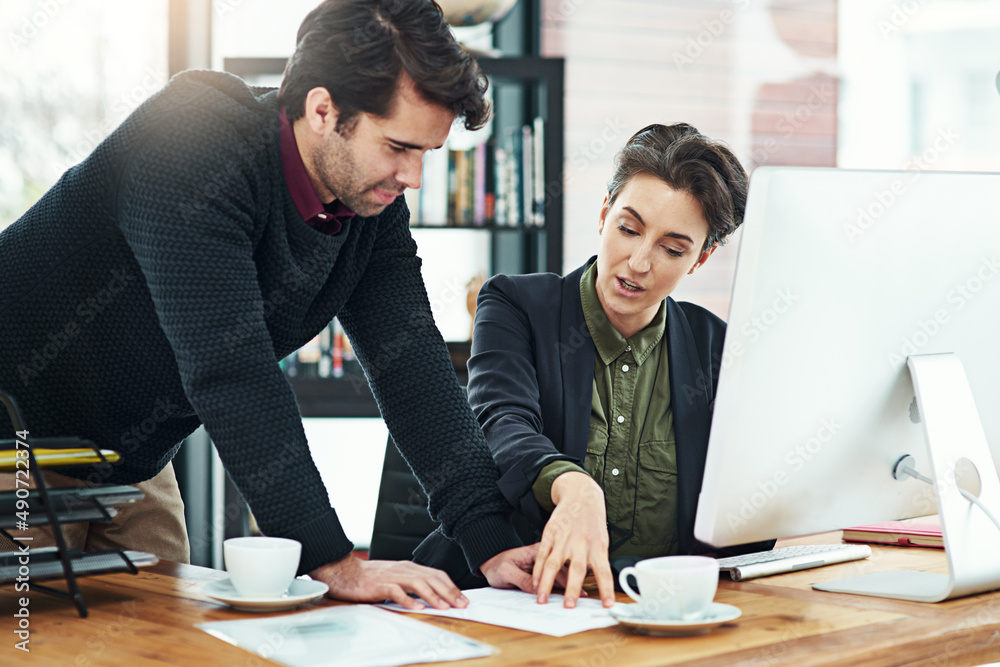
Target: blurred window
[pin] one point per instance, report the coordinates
(70, 72)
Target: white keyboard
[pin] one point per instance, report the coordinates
(791, 559)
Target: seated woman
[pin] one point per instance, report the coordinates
(595, 390)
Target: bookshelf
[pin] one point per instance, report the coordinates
(525, 88)
(528, 92)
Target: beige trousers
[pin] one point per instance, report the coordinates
(155, 524)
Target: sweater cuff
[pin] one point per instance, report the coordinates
(542, 488)
(487, 537)
(323, 541)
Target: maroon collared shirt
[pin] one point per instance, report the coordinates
(326, 218)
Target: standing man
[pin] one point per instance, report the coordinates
(217, 230)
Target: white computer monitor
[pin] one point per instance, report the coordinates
(842, 276)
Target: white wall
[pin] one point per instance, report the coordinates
(630, 63)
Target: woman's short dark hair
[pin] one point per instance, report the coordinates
(357, 49)
(687, 160)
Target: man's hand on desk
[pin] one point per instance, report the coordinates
(355, 580)
(576, 533)
(512, 569)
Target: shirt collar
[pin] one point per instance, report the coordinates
(326, 218)
(608, 342)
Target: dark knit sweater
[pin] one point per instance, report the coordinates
(156, 286)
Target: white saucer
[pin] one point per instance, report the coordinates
(717, 614)
(299, 592)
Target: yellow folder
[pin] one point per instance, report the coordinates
(53, 458)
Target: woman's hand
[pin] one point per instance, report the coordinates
(577, 534)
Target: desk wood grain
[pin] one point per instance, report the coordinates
(149, 619)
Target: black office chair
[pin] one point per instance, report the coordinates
(401, 517)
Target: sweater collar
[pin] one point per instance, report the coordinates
(326, 218)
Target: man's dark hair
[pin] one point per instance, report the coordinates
(357, 50)
(687, 160)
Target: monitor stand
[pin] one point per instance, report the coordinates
(971, 539)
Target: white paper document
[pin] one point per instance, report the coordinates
(519, 610)
(347, 636)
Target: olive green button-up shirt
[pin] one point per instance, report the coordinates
(630, 449)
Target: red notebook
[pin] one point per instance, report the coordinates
(902, 533)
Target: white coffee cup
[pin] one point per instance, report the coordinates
(673, 588)
(261, 567)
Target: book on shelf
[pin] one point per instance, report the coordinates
(310, 355)
(328, 355)
(512, 182)
(452, 187)
(527, 176)
(490, 159)
(478, 183)
(499, 182)
(501, 186)
(433, 207)
(538, 172)
(337, 349)
(324, 367)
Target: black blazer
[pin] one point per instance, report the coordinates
(531, 379)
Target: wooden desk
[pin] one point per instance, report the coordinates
(148, 620)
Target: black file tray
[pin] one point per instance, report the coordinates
(59, 507)
(71, 504)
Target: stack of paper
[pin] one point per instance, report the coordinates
(348, 636)
(519, 610)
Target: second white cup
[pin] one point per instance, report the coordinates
(261, 567)
(673, 588)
